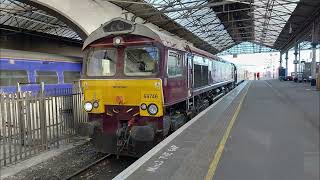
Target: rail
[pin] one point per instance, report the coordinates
(87, 167)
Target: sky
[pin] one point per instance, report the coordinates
(263, 62)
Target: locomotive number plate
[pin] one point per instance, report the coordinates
(150, 96)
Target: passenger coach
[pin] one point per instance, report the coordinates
(31, 68)
(141, 84)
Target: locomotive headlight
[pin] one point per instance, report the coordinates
(143, 106)
(152, 109)
(95, 104)
(88, 106)
(117, 41)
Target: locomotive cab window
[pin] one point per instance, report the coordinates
(141, 61)
(48, 77)
(101, 62)
(174, 66)
(12, 77)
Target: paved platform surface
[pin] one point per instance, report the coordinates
(275, 135)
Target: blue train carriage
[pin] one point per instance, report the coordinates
(32, 68)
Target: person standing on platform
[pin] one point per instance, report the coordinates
(255, 76)
(258, 75)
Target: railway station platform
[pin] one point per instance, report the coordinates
(260, 130)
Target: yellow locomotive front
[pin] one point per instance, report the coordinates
(143, 93)
(122, 89)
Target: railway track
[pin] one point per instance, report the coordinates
(87, 167)
(78, 173)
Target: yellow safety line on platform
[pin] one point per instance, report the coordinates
(218, 153)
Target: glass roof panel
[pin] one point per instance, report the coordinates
(197, 18)
(246, 48)
(19, 15)
(270, 17)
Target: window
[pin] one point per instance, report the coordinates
(197, 75)
(141, 61)
(200, 75)
(71, 76)
(12, 77)
(48, 77)
(174, 64)
(101, 62)
(204, 76)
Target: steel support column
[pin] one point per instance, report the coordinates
(313, 64)
(280, 60)
(299, 64)
(295, 62)
(315, 40)
(287, 63)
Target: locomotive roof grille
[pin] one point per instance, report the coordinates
(118, 26)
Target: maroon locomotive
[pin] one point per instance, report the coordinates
(141, 84)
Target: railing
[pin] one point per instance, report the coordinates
(33, 122)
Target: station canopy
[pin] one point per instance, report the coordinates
(224, 23)
(217, 26)
(16, 16)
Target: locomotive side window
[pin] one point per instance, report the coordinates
(174, 67)
(48, 77)
(197, 75)
(70, 76)
(141, 61)
(12, 77)
(101, 62)
(204, 76)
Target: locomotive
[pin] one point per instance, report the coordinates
(141, 84)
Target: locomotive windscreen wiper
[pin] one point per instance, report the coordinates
(105, 56)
